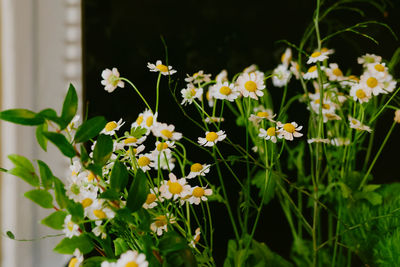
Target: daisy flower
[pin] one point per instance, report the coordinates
(222, 77)
(98, 211)
(378, 69)
(250, 85)
(289, 130)
(261, 115)
(210, 96)
(174, 188)
(333, 72)
(146, 119)
(269, 134)
(360, 93)
(199, 194)
(151, 200)
(163, 146)
(349, 80)
(226, 91)
(368, 59)
(327, 51)
(210, 120)
(312, 73)
(317, 56)
(70, 228)
(191, 93)
(295, 69)
(198, 77)
(389, 84)
(198, 169)
(286, 57)
(166, 131)
(356, 124)
(111, 80)
(165, 70)
(132, 141)
(111, 127)
(160, 223)
(372, 83)
(145, 162)
(77, 260)
(211, 138)
(99, 230)
(250, 69)
(281, 76)
(196, 238)
(132, 258)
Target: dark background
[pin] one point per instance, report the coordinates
(211, 36)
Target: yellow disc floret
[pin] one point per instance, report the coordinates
(372, 82)
(196, 167)
(87, 202)
(130, 140)
(262, 114)
(360, 94)
(271, 131)
(139, 120)
(162, 146)
(312, 69)
(73, 262)
(211, 136)
(166, 133)
(250, 86)
(150, 198)
(175, 188)
(379, 67)
(149, 121)
(288, 127)
(100, 214)
(198, 192)
(143, 161)
(337, 72)
(162, 68)
(131, 264)
(225, 90)
(316, 54)
(111, 126)
(161, 221)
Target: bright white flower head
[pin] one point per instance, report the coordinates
(198, 169)
(261, 114)
(111, 127)
(111, 80)
(132, 141)
(269, 134)
(251, 85)
(145, 162)
(174, 188)
(160, 223)
(349, 80)
(70, 228)
(251, 68)
(132, 258)
(312, 73)
(164, 160)
(389, 84)
(74, 124)
(163, 147)
(100, 231)
(289, 130)
(152, 199)
(210, 96)
(196, 238)
(222, 77)
(334, 73)
(378, 69)
(210, 120)
(166, 131)
(165, 70)
(368, 59)
(360, 93)
(328, 108)
(199, 194)
(226, 91)
(327, 51)
(281, 76)
(191, 93)
(146, 119)
(372, 83)
(99, 211)
(211, 138)
(317, 56)
(318, 140)
(198, 77)
(356, 124)
(286, 57)
(77, 260)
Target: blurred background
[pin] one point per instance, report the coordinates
(46, 44)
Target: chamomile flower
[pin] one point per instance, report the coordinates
(77, 260)
(211, 138)
(286, 57)
(225, 91)
(327, 51)
(152, 199)
(132, 141)
(334, 73)
(210, 96)
(199, 194)
(99, 230)
(198, 77)
(360, 93)
(372, 83)
(389, 84)
(378, 69)
(99, 211)
(368, 59)
(145, 162)
(164, 160)
(198, 169)
(210, 120)
(196, 238)
(190, 93)
(312, 73)
(165, 131)
(289, 130)
(318, 140)
(174, 188)
(269, 134)
(161, 222)
(250, 69)
(349, 80)
(262, 114)
(222, 77)
(70, 228)
(111, 127)
(251, 85)
(280, 76)
(146, 119)
(356, 124)
(132, 258)
(295, 69)
(165, 70)
(111, 80)
(397, 116)
(317, 56)
(163, 146)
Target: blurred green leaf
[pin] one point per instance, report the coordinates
(68, 245)
(41, 139)
(10, 235)
(70, 106)
(176, 251)
(59, 193)
(94, 261)
(40, 197)
(21, 161)
(110, 194)
(55, 220)
(265, 182)
(138, 192)
(50, 114)
(21, 116)
(119, 176)
(120, 246)
(84, 155)
(26, 175)
(46, 175)
(90, 129)
(76, 210)
(102, 150)
(61, 142)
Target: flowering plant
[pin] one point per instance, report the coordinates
(137, 199)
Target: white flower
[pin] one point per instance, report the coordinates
(198, 77)
(356, 124)
(70, 228)
(210, 96)
(372, 83)
(191, 93)
(286, 57)
(333, 72)
(165, 70)
(222, 77)
(160, 223)
(327, 51)
(199, 194)
(111, 127)
(166, 131)
(77, 260)
(210, 120)
(196, 238)
(99, 211)
(312, 73)
(250, 85)
(146, 119)
(269, 134)
(163, 146)
(152, 199)
(198, 169)
(389, 84)
(349, 80)
(360, 93)
(251, 68)
(318, 140)
(317, 56)
(74, 123)
(100, 231)
(174, 188)
(212, 138)
(281, 76)
(132, 258)
(289, 130)
(111, 80)
(164, 160)
(378, 69)
(368, 59)
(261, 115)
(145, 162)
(295, 69)
(225, 91)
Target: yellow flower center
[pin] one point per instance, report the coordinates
(316, 54)
(150, 198)
(271, 131)
(354, 78)
(166, 133)
(130, 140)
(87, 202)
(379, 67)
(91, 176)
(175, 188)
(111, 126)
(162, 68)
(316, 101)
(211, 136)
(73, 262)
(162, 146)
(326, 106)
(100, 214)
(149, 121)
(131, 264)
(113, 80)
(372, 82)
(143, 161)
(198, 192)
(288, 127)
(283, 58)
(312, 69)
(337, 72)
(360, 94)
(196, 167)
(70, 226)
(324, 49)
(193, 92)
(354, 121)
(73, 173)
(250, 86)
(225, 90)
(139, 120)
(263, 114)
(161, 221)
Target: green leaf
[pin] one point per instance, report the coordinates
(61, 142)
(26, 175)
(21, 116)
(84, 155)
(10, 235)
(102, 150)
(55, 220)
(40, 197)
(76, 210)
(94, 261)
(41, 139)
(68, 245)
(138, 192)
(50, 114)
(110, 194)
(119, 176)
(46, 175)
(371, 187)
(59, 193)
(70, 106)
(90, 129)
(175, 249)
(138, 132)
(120, 246)
(21, 161)
(265, 181)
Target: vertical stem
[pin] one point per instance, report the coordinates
(158, 91)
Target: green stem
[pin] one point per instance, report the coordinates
(137, 91)
(158, 91)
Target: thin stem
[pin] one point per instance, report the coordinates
(137, 91)
(158, 90)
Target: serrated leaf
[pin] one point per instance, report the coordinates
(120, 246)
(102, 150)
(61, 142)
(46, 175)
(29, 177)
(21, 116)
(40, 197)
(41, 139)
(70, 107)
(55, 220)
(59, 193)
(21, 161)
(68, 245)
(119, 176)
(138, 192)
(90, 129)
